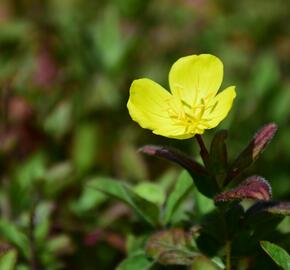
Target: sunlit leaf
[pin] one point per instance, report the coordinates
(151, 192)
(148, 210)
(278, 254)
(181, 189)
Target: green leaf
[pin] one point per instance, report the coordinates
(89, 199)
(203, 204)
(57, 178)
(151, 192)
(138, 261)
(8, 260)
(278, 254)
(183, 186)
(59, 121)
(114, 188)
(12, 234)
(171, 247)
(85, 146)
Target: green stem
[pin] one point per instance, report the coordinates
(228, 255)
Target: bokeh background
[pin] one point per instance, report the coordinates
(65, 71)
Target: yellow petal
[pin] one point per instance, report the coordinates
(196, 76)
(223, 101)
(148, 104)
(174, 132)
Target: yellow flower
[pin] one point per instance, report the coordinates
(193, 104)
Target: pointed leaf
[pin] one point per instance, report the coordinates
(14, 235)
(183, 186)
(151, 192)
(254, 187)
(204, 182)
(278, 254)
(171, 247)
(218, 160)
(174, 155)
(148, 210)
(256, 146)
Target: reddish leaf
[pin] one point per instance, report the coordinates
(203, 181)
(256, 146)
(218, 160)
(255, 187)
(174, 155)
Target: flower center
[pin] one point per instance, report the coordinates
(191, 116)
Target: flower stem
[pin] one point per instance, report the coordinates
(228, 255)
(203, 151)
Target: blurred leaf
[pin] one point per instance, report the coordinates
(278, 254)
(254, 149)
(31, 170)
(254, 187)
(138, 261)
(279, 104)
(110, 42)
(42, 217)
(89, 199)
(151, 192)
(171, 247)
(131, 163)
(59, 121)
(103, 94)
(120, 191)
(182, 188)
(265, 74)
(12, 233)
(8, 260)
(60, 244)
(58, 177)
(14, 31)
(85, 146)
(134, 243)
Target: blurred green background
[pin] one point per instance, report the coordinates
(65, 70)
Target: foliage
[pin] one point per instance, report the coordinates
(65, 72)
